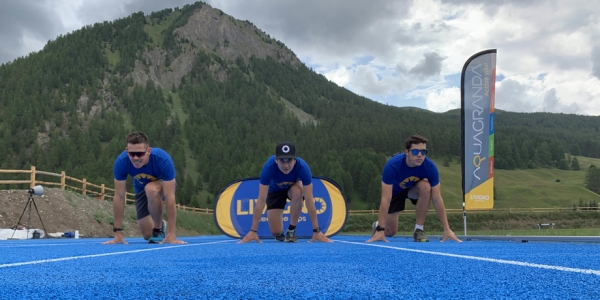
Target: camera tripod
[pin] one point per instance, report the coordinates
(29, 202)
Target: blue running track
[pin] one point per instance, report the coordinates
(216, 267)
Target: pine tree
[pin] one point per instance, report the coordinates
(575, 164)
(592, 179)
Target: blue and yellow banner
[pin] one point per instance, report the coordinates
(477, 108)
(234, 209)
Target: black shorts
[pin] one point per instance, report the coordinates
(141, 205)
(398, 202)
(277, 200)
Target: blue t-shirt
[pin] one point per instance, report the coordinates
(159, 167)
(397, 173)
(277, 181)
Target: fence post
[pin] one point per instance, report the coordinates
(84, 187)
(102, 191)
(32, 183)
(62, 180)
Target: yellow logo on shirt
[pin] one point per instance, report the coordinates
(285, 184)
(409, 182)
(141, 176)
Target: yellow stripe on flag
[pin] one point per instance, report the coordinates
(481, 197)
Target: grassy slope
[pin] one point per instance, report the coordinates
(154, 29)
(300, 114)
(113, 57)
(524, 188)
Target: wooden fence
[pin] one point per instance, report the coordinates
(101, 192)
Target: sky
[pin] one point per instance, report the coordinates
(398, 52)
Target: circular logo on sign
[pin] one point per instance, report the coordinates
(285, 149)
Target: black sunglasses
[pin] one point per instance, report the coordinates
(416, 151)
(138, 154)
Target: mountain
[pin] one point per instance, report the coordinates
(218, 93)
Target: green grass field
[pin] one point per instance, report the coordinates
(524, 188)
(113, 57)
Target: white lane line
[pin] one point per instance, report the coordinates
(494, 260)
(70, 243)
(41, 245)
(102, 254)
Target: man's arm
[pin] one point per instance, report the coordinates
(440, 210)
(169, 195)
(438, 205)
(263, 191)
(384, 206)
(168, 191)
(118, 211)
(309, 200)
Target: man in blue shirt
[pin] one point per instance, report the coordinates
(153, 175)
(414, 176)
(285, 176)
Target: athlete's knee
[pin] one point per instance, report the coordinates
(424, 186)
(152, 190)
(295, 192)
(390, 232)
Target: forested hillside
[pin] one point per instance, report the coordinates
(218, 93)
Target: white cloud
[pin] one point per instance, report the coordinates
(443, 100)
(366, 80)
(67, 13)
(340, 76)
(596, 60)
(519, 94)
(30, 42)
